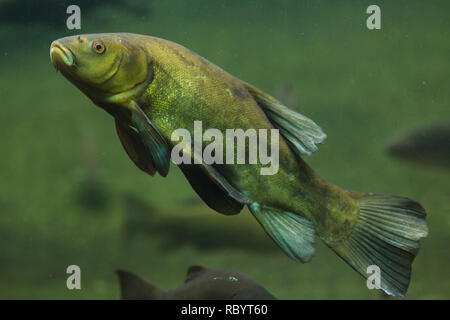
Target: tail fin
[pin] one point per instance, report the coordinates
(387, 235)
(132, 287)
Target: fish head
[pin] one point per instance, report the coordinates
(106, 67)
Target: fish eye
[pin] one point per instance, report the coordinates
(99, 47)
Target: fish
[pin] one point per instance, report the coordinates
(152, 87)
(428, 145)
(202, 283)
(205, 233)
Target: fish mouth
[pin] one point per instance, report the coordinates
(61, 54)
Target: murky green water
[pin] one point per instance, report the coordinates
(70, 195)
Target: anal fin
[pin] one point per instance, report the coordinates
(293, 233)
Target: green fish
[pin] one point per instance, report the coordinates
(152, 87)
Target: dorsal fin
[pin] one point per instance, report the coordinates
(194, 271)
(301, 133)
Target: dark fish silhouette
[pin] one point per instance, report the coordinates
(206, 232)
(201, 283)
(428, 145)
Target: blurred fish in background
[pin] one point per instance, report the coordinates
(194, 225)
(427, 146)
(201, 283)
(92, 192)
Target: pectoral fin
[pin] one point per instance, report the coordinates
(300, 132)
(134, 147)
(213, 188)
(154, 142)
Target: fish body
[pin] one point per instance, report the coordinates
(153, 87)
(201, 283)
(429, 145)
(186, 88)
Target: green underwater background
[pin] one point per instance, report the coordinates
(69, 194)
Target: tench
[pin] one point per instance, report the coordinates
(201, 283)
(154, 87)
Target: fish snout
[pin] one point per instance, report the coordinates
(61, 55)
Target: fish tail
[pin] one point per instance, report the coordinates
(385, 235)
(133, 287)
